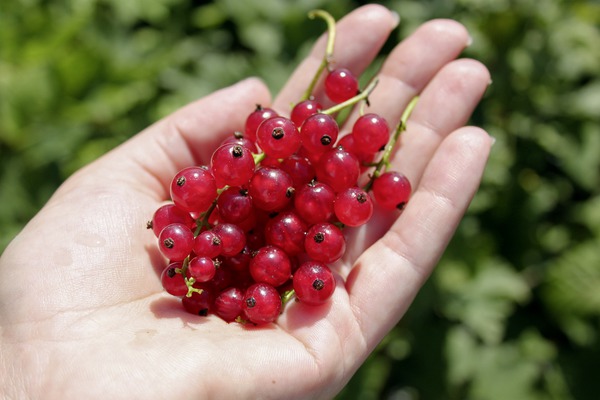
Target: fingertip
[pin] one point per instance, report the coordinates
(448, 28)
(379, 14)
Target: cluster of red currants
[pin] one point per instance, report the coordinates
(264, 221)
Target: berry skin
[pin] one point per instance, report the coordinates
(299, 168)
(229, 303)
(271, 265)
(176, 241)
(207, 244)
(169, 214)
(232, 164)
(319, 133)
(199, 303)
(193, 189)
(371, 133)
(232, 238)
(391, 190)
(313, 283)
(286, 231)
(255, 118)
(271, 189)
(262, 303)
(314, 202)
(325, 242)
(202, 269)
(303, 110)
(278, 137)
(173, 282)
(234, 204)
(340, 85)
(353, 206)
(338, 168)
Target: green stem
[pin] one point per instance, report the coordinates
(328, 49)
(287, 296)
(352, 101)
(384, 162)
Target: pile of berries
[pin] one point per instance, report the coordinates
(265, 219)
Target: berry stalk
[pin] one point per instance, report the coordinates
(328, 49)
(364, 95)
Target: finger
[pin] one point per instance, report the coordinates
(412, 64)
(389, 274)
(444, 105)
(184, 138)
(359, 37)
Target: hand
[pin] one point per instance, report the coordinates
(82, 311)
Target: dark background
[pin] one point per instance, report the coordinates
(513, 310)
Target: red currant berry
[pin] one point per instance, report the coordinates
(340, 85)
(232, 164)
(349, 144)
(286, 231)
(262, 303)
(319, 133)
(314, 202)
(299, 168)
(255, 118)
(176, 241)
(278, 137)
(228, 304)
(202, 269)
(391, 190)
(353, 207)
(193, 189)
(207, 244)
(271, 189)
(338, 168)
(325, 242)
(170, 214)
(271, 265)
(232, 238)
(172, 281)
(371, 133)
(241, 140)
(234, 204)
(199, 303)
(303, 110)
(313, 283)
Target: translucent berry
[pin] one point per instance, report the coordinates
(286, 231)
(325, 242)
(278, 137)
(170, 214)
(299, 168)
(234, 204)
(202, 269)
(271, 189)
(271, 265)
(314, 202)
(371, 133)
(233, 239)
(172, 281)
(176, 241)
(193, 189)
(207, 244)
(313, 283)
(199, 303)
(319, 133)
(255, 119)
(391, 190)
(262, 303)
(232, 164)
(303, 110)
(353, 206)
(340, 85)
(228, 304)
(338, 168)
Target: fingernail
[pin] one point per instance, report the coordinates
(396, 18)
(469, 40)
(493, 140)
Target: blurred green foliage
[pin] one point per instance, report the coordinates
(512, 312)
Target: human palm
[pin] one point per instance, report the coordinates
(82, 310)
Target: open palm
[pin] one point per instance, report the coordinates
(83, 313)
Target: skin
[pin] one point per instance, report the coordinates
(82, 311)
